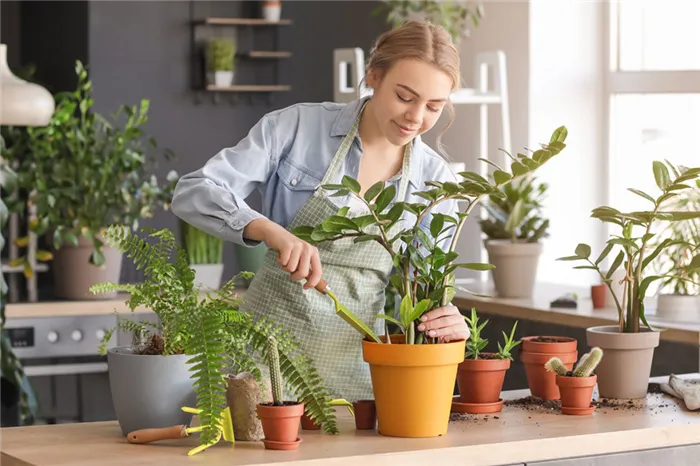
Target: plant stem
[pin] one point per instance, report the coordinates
(617, 302)
(453, 244)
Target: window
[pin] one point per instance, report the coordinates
(653, 92)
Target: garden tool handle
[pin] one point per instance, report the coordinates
(322, 286)
(153, 435)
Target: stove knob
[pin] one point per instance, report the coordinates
(77, 335)
(100, 334)
(52, 337)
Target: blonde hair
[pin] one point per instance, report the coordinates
(418, 40)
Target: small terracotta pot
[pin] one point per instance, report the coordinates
(550, 345)
(543, 383)
(281, 423)
(365, 414)
(598, 296)
(576, 392)
(308, 424)
(481, 380)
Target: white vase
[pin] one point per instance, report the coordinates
(678, 307)
(221, 78)
(272, 12)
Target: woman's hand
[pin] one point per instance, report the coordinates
(445, 323)
(296, 256)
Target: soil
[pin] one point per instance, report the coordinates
(488, 356)
(155, 345)
(284, 403)
(549, 340)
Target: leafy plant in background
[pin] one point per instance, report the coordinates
(201, 247)
(636, 240)
(15, 382)
(685, 244)
(84, 173)
(476, 344)
(457, 17)
(206, 328)
(220, 54)
(423, 270)
(518, 215)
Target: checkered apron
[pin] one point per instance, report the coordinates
(357, 274)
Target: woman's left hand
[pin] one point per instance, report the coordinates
(445, 323)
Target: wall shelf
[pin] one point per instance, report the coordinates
(241, 22)
(249, 88)
(266, 54)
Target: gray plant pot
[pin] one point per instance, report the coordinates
(149, 391)
(515, 269)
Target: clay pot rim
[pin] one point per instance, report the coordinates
(542, 358)
(559, 339)
(566, 381)
(295, 410)
(363, 402)
(484, 365)
(399, 354)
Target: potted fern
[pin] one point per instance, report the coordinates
(179, 358)
(204, 255)
(629, 345)
(423, 253)
(220, 60)
(576, 386)
(480, 377)
(514, 229)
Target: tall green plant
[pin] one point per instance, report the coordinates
(635, 240)
(84, 173)
(518, 215)
(207, 328)
(221, 54)
(201, 247)
(423, 271)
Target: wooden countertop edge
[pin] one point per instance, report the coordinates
(9, 460)
(564, 317)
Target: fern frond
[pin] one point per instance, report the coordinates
(104, 288)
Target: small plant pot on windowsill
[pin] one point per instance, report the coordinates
(281, 424)
(515, 266)
(680, 307)
(365, 414)
(576, 394)
(220, 78)
(480, 382)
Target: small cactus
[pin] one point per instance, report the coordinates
(589, 362)
(555, 365)
(275, 373)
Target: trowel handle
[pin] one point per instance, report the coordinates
(322, 286)
(153, 435)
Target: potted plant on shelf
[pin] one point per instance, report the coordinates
(220, 60)
(480, 377)
(576, 386)
(677, 295)
(204, 255)
(535, 352)
(83, 173)
(272, 10)
(514, 229)
(424, 257)
(187, 350)
(456, 17)
(629, 346)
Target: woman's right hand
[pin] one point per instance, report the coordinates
(296, 256)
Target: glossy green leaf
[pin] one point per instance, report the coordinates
(475, 266)
(342, 212)
(338, 224)
(436, 226)
(501, 177)
(615, 265)
(519, 169)
(583, 250)
(604, 253)
(351, 184)
(661, 175)
(373, 191)
(642, 194)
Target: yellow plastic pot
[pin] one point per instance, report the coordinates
(413, 385)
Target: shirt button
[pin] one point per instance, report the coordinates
(294, 182)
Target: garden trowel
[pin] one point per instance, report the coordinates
(346, 314)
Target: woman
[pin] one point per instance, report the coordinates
(288, 154)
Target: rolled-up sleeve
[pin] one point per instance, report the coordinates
(213, 197)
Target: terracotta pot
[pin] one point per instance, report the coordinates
(481, 380)
(365, 414)
(404, 377)
(308, 424)
(625, 369)
(281, 423)
(599, 294)
(576, 393)
(551, 344)
(542, 383)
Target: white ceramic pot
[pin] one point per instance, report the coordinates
(208, 276)
(515, 269)
(221, 78)
(272, 12)
(678, 307)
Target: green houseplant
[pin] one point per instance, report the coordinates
(629, 346)
(204, 254)
(514, 227)
(457, 17)
(220, 60)
(480, 376)
(424, 279)
(576, 386)
(84, 173)
(195, 338)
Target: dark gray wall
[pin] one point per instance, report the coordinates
(141, 50)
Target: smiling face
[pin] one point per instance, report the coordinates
(409, 99)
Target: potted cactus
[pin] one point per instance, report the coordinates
(629, 345)
(204, 255)
(576, 386)
(514, 229)
(280, 419)
(220, 60)
(421, 238)
(480, 377)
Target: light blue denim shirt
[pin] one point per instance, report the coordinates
(285, 156)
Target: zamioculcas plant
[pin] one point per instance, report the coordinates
(576, 386)
(202, 327)
(423, 268)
